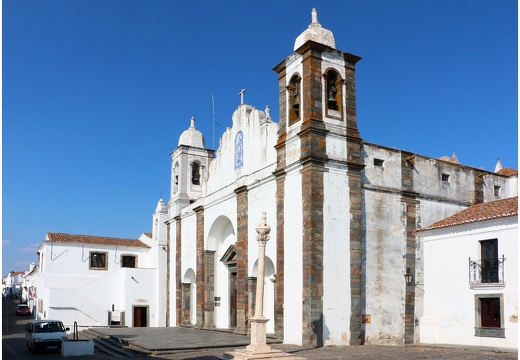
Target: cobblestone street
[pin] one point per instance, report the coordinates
(361, 352)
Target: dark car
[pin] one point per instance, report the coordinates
(22, 310)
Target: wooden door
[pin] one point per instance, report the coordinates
(233, 299)
(140, 316)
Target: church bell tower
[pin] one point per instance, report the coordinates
(190, 162)
(319, 152)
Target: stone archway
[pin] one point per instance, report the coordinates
(189, 298)
(220, 238)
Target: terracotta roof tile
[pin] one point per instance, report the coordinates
(507, 172)
(480, 212)
(94, 240)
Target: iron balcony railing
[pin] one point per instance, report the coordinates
(486, 271)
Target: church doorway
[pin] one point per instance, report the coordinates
(229, 260)
(221, 240)
(140, 316)
(233, 298)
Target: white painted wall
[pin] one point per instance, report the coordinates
(189, 243)
(385, 249)
(427, 180)
(70, 291)
(336, 259)
(293, 279)
(449, 301)
(262, 199)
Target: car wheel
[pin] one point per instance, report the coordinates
(29, 348)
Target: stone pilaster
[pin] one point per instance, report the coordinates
(312, 82)
(357, 277)
(479, 188)
(209, 292)
(199, 275)
(168, 281)
(186, 304)
(178, 275)
(312, 194)
(356, 246)
(242, 258)
(409, 208)
(280, 250)
(280, 203)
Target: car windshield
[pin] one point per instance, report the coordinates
(46, 327)
(22, 307)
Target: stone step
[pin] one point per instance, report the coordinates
(111, 345)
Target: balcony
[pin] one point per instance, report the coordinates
(486, 273)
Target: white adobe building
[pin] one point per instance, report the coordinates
(471, 277)
(101, 281)
(12, 283)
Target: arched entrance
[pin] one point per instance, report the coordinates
(189, 298)
(221, 237)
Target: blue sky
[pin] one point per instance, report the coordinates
(96, 94)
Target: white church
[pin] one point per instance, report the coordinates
(343, 214)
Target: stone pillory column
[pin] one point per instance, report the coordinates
(258, 349)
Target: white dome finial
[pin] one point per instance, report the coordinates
(316, 33)
(192, 136)
(314, 16)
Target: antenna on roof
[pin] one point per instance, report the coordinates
(161, 191)
(214, 122)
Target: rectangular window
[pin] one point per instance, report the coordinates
(128, 261)
(445, 177)
(98, 260)
(489, 260)
(378, 162)
(490, 312)
(497, 191)
(489, 315)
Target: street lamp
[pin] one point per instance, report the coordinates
(408, 277)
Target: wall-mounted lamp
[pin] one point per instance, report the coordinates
(408, 277)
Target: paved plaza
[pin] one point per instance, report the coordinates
(184, 343)
(364, 352)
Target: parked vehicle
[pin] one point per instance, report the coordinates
(22, 310)
(45, 335)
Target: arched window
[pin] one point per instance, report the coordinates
(333, 94)
(176, 178)
(294, 98)
(195, 173)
